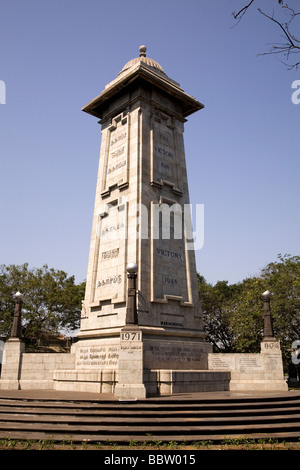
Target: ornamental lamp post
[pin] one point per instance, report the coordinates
(16, 327)
(268, 327)
(131, 310)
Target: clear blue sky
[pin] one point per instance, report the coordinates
(242, 150)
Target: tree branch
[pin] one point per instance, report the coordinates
(286, 33)
(242, 11)
(292, 44)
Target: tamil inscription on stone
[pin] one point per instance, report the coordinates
(111, 253)
(97, 357)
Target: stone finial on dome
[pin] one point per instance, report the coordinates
(142, 50)
(144, 60)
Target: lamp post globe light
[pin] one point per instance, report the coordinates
(132, 268)
(266, 295)
(131, 310)
(18, 296)
(16, 327)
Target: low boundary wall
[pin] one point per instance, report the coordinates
(56, 371)
(256, 372)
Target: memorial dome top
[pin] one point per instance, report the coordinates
(142, 58)
(140, 71)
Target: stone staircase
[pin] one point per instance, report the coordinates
(181, 419)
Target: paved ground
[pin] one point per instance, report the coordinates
(67, 395)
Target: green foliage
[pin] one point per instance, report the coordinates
(217, 304)
(247, 320)
(282, 278)
(233, 314)
(52, 300)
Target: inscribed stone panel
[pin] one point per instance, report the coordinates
(169, 269)
(96, 356)
(165, 158)
(176, 355)
(116, 156)
(110, 278)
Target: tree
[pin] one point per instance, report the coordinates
(286, 26)
(52, 300)
(233, 314)
(247, 318)
(218, 304)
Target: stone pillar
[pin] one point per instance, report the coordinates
(11, 367)
(13, 350)
(17, 325)
(131, 371)
(268, 322)
(273, 366)
(131, 310)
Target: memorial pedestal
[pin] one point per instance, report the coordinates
(273, 366)
(131, 369)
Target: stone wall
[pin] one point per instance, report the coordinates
(57, 371)
(22, 370)
(167, 382)
(89, 380)
(38, 368)
(259, 372)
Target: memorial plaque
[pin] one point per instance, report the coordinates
(110, 279)
(116, 174)
(168, 252)
(162, 354)
(165, 155)
(104, 356)
(246, 363)
(221, 361)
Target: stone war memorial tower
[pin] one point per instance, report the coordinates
(141, 330)
(141, 318)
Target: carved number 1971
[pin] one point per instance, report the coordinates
(131, 336)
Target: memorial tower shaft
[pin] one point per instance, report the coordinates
(142, 210)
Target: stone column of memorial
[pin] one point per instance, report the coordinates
(141, 216)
